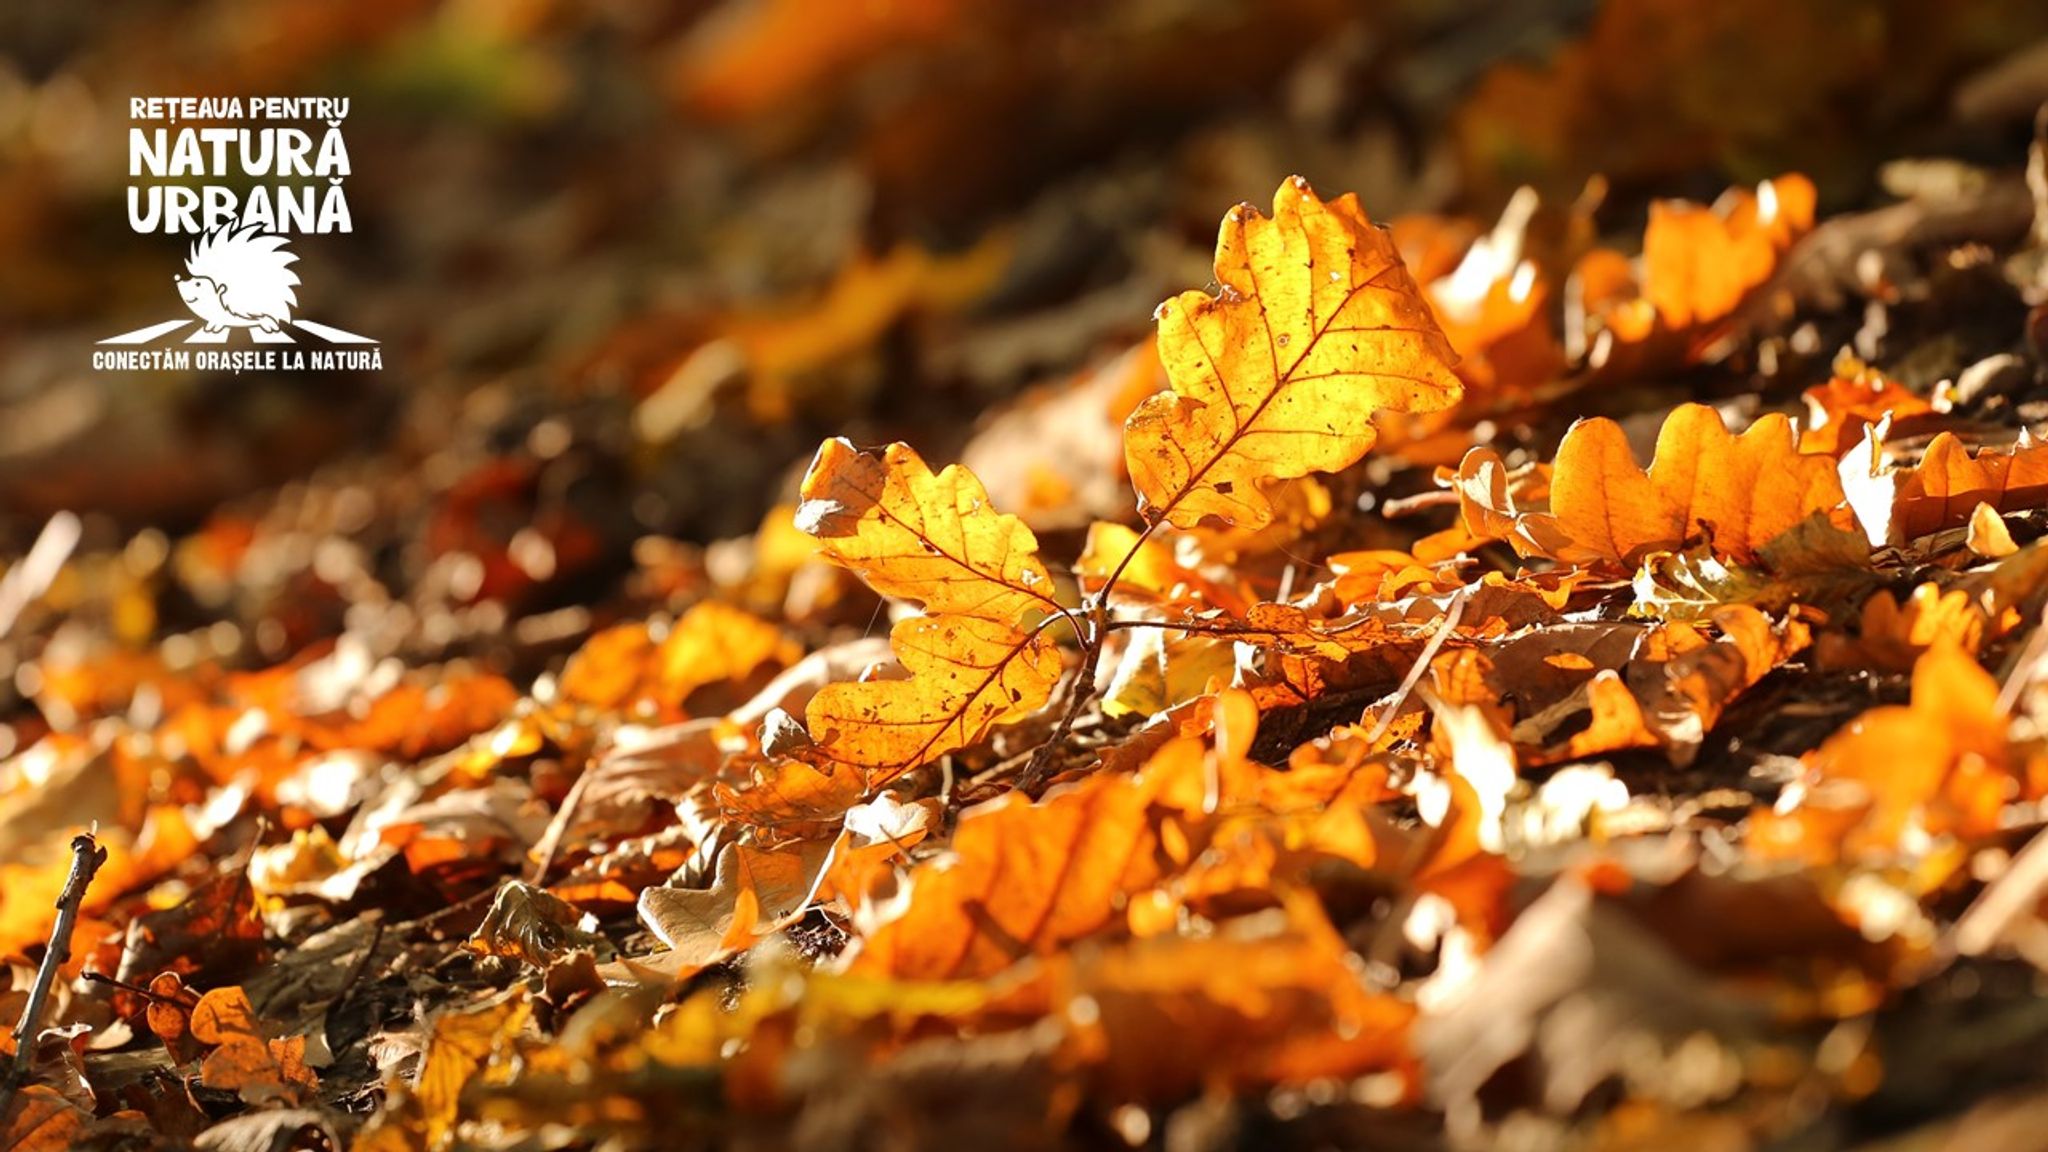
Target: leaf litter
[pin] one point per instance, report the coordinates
(1567, 678)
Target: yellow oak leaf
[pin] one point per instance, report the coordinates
(977, 660)
(967, 674)
(1317, 326)
(934, 539)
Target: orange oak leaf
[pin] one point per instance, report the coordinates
(243, 1059)
(933, 539)
(1738, 491)
(1855, 397)
(1317, 326)
(1896, 775)
(42, 1119)
(1897, 505)
(1022, 879)
(967, 674)
(1699, 266)
(635, 669)
(1891, 634)
(1700, 262)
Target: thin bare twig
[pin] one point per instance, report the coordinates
(558, 828)
(1452, 612)
(86, 858)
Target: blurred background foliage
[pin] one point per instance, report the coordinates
(683, 241)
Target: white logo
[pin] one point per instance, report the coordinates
(239, 276)
(238, 287)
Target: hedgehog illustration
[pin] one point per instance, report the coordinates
(241, 278)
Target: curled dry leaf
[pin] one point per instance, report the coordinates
(1317, 326)
(534, 926)
(753, 892)
(1573, 691)
(1817, 563)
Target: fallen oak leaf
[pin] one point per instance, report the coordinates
(715, 643)
(244, 1060)
(1700, 266)
(1700, 263)
(929, 538)
(1899, 505)
(1662, 686)
(1892, 634)
(1898, 776)
(967, 674)
(43, 1120)
(1022, 879)
(1317, 325)
(632, 668)
(1739, 491)
(977, 660)
(1243, 1008)
(1855, 397)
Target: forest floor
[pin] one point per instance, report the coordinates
(1537, 642)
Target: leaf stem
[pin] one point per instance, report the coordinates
(1096, 608)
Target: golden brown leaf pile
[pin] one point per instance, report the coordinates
(1634, 778)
